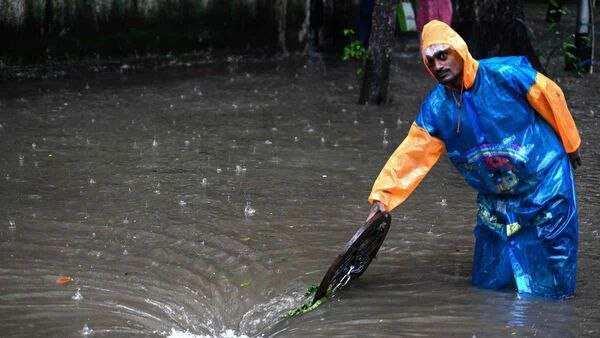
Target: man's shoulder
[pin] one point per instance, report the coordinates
(507, 66)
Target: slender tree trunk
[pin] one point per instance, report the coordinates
(494, 28)
(377, 64)
(282, 24)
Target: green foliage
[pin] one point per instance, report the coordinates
(309, 307)
(561, 45)
(354, 50)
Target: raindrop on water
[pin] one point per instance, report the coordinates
(355, 122)
(443, 202)
(33, 146)
(268, 142)
(125, 252)
(248, 210)
(322, 140)
(77, 296)
(86, 331)
(126, 221)
(296, 139)
(385, 136)
(239, 169)
(186, 143)
(92, 181)
(204, 182)
(154, 143)
(219, 170)
(21, 160)
(182, 203)
(11, 224)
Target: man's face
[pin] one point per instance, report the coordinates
(447, 66)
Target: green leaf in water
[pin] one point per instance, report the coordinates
(244, 284)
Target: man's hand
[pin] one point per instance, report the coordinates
(377, 206)
(575, 159)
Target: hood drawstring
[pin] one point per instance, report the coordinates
(459, 105)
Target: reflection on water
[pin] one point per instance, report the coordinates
(203, 204)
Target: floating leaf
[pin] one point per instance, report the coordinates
(245, 238)
(64, 280)
(244, 284)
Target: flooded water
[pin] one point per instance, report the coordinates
(204, 203)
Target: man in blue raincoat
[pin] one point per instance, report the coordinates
(508, 130)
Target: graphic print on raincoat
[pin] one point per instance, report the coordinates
(515, 133)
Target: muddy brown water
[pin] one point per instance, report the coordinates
(204, 203)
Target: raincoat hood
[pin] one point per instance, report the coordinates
(437, 32)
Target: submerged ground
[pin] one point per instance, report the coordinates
(205, 201)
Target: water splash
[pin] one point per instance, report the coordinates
(186, 334)
(240, 169)
(385, 141)
(248, 210)
(92, 181)
(204, 182)
(77, 296)
(86, 331)
(11, 224)
(182, 203)
(154, 143)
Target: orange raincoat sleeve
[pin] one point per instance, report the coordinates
(547, 98)
(407, 167)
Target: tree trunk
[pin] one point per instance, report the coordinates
(282, 25)
(377, 64)
(494, 28)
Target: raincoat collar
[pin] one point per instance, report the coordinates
(437, 32)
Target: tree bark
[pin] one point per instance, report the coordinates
(377, 64)
(494, 28)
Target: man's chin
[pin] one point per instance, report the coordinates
(445, 80)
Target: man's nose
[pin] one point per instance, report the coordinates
(437, 64)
